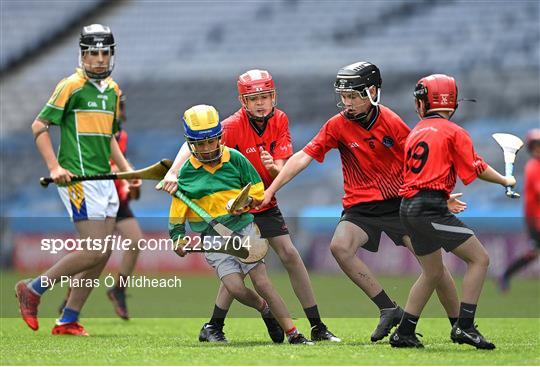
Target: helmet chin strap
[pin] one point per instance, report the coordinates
(263, 119)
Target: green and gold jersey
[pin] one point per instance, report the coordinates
(86, 113)
(211, 188)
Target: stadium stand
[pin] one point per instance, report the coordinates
(175, 54)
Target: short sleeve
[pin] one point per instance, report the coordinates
(467, 163)
(54, 109)
(321, 143)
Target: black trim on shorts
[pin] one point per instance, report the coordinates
(375, 217)
(271, 223)
(124, 211)
(430, 224)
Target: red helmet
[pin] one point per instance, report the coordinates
(255, 81)
(438, 91)
(533, 137)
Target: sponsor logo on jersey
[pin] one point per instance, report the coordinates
(251, 150)
(92, 104)
(388, 141)
(354, 145)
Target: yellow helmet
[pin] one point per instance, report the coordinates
(201, 122)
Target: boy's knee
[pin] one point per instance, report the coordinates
(340, 249)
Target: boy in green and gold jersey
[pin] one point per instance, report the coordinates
(213, 176)
(85, 106)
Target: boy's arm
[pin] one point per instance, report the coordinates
(170, 181)
(296, 164)
(40, 130)
(491, 175)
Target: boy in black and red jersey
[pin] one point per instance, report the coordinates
(370, 138)
(437, 151)
(531, 189)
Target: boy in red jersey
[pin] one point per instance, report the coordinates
(437, 151)
(532, 208)
(260, 131)
(370, 138)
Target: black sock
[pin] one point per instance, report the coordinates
(520, 263)
(466, 315)
(407, 326)
(313, 316)
(453, 320)
(218, 317)
(383, 301)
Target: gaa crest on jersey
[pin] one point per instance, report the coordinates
(388, 141)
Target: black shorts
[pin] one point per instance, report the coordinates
(374, 218)
(271, 223)
(535, 236)
(124, 211)
(431, 225)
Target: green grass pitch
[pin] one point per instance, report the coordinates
(166, 323)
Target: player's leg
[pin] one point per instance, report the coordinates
(29, 291)
(301, 284)
(347, 238)
(129, 228)
(521, 262)
(420, 293)
(446, 289)
(477, 259)
(273, 227)
(266, 290)
(223, 302)
(83, 285)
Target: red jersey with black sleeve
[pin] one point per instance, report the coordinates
(532, 193)
(122, 186)
(438, 150)
(239, 133)
(372, 159)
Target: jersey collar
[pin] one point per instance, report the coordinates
(100, 85)
(225, 157)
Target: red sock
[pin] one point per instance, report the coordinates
(292, 332)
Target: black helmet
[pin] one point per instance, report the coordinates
(358, 76)
(96, 37)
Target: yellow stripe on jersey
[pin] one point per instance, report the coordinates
(76, 194)
(65, 89)
(215, 205)
(94, 122)
(178, 211)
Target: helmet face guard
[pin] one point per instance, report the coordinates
(358, 78)
(202, 129)
(196, 147)
(96, 39)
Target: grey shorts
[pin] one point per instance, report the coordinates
(225, 264)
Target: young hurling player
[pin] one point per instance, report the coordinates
(532, 209)
(212, 176)
(438, 151)
(85, 106)
(126, 225)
